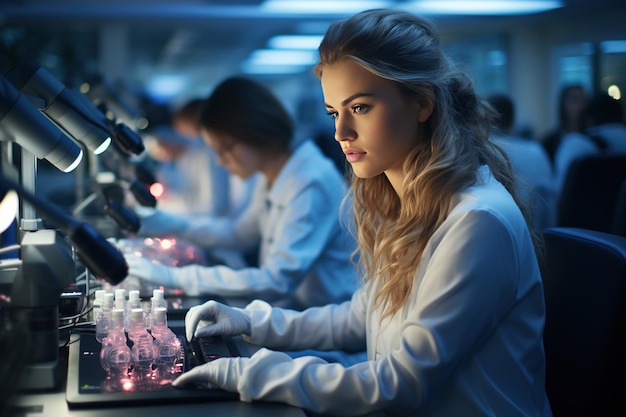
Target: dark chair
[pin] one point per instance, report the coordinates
(585, 293)
(590, 192)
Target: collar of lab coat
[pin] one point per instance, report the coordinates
(304, 157)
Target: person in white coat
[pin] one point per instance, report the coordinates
(304, 253)
(451, 311)
(529, 160)
(605, 134)
(229, 194)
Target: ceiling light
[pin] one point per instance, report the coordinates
(613, 47)
(322, 6)
(484, 7)
(163, 87)
(311, 42)
(268, 69)
(282, 57)
(614, 91)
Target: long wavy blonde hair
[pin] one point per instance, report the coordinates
(391, 234)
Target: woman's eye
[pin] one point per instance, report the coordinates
(333, 114)
(359, 108)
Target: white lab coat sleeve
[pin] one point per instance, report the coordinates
(331, 327)
(311, 383)
(298, 239)
(241, 233)
(466, 289)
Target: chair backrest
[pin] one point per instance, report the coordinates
(590, 191)
(585, 293)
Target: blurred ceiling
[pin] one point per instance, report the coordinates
(204, 38)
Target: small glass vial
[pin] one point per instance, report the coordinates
(115, 355)
(167, 343)
(143, 349)
(103, 322)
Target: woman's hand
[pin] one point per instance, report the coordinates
(221, 373)
(213, 318)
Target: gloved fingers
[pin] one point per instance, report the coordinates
(206, 312)
(222, 373)
(212, 329)
(200, 374)
(145, 269)
(223, 320)
(157, 223)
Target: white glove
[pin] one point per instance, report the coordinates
(222, 373)
(216, 319)
(145, 269)
(157, 223)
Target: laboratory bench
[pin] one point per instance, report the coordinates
(54, 402)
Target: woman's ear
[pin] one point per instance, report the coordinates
(425, 109)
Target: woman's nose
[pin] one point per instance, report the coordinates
(343, 131)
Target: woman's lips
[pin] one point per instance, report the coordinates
(353, 155)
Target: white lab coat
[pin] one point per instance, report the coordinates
(467, 343)
(531, 162)
(613, 134)
(304, 252)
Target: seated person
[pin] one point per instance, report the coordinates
(529, 159)
(229, 193)
(571, 105)
(187, 171)
(193, 181)
(452, 308)
(605, 133)
(606, 126)
(293, 219)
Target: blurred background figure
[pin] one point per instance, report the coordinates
(193, 182)
(237, 190)
(183, 169)
(293, 219)
(604, 118)
(185, 119)
(604, 133)
(572, 103)
(529, 159)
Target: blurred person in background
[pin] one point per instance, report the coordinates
(571, 104)
(293, 218)
(529, 159)
(604, 118)
(604, 133)
(193, 181)
(185, 121)
(183, 169)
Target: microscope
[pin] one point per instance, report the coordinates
(40, 117)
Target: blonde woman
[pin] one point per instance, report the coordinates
(451, 311)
